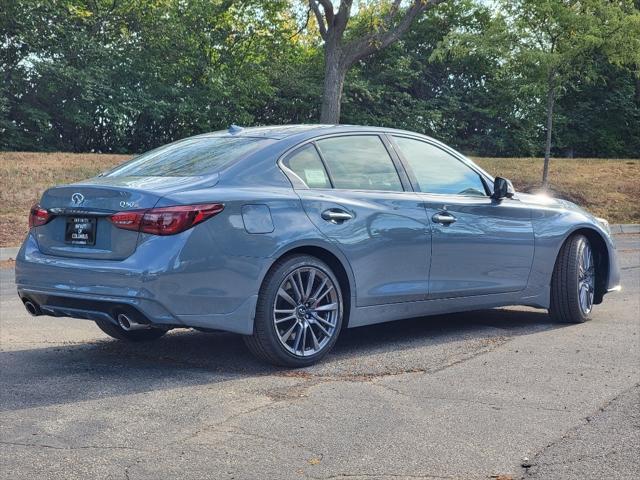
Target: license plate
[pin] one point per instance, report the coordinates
(80, 231)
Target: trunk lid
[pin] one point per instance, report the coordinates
(80, 227)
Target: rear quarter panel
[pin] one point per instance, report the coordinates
(224, 263)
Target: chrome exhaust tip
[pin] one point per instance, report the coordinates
(128, 324)
(32, 308)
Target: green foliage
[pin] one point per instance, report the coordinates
(446, 78)
(601, 116)
(126, 76)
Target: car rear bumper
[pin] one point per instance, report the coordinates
(99, 307)
(158, 288)
(95, 307)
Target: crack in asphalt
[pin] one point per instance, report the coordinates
(311, 380)
(382, 475)
(492, 343)
(495, 406)
(236, 429)
(243, 431)
(217, 425)
(529, 472)
(48, 342)
(630, 268)
(569, 460)
(230, 429)
(79, 447)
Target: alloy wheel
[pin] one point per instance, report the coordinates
(586, 279)
(306, 311)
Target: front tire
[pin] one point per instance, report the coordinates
(573, 282)
(299, 313)
(119, 333)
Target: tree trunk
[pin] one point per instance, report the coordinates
(551, 99)
(334, 73)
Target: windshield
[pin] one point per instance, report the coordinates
(187, 158)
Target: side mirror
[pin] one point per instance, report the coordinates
(502, 188)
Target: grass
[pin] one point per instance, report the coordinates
(25, 176)
(608, 188)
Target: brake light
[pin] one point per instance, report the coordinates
(38, 216)
(128, 220)
(165, 220)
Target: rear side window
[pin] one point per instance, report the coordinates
(190, 157)
(359, 162)
(307, 165)
(439, 172)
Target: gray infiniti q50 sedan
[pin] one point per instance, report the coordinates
(287, 235)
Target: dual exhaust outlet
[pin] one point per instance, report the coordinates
(126, 322)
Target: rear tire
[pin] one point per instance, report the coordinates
(573, 282)
(299, 313)
(117, 332)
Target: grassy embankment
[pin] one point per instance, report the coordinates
(608, 188)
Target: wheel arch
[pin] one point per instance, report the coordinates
(602, 258)
(335, 260)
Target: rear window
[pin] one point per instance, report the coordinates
(307, 165)
(188, 158)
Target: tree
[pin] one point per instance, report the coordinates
(471, 98)
(557, 42)
(599, 117)
(105, 75)
(129, 75)
(340, 53)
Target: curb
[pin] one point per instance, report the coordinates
(7, 253)
(625, 228)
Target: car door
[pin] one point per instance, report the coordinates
(354, 193)
(479, 245)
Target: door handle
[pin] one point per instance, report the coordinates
(444, 218)
(336, 216)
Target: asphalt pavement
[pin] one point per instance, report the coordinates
(503, 393)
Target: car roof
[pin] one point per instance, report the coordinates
(284, 137)
(279, 132)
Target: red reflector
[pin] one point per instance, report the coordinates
(165, 220)
(38, 216)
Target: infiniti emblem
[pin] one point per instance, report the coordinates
(77, 198)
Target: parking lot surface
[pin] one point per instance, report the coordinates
(501, 393)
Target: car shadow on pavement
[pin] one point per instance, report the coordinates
(104, 368)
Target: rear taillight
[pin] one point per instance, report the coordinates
(128, 220)
(38, 216)
(165, 220)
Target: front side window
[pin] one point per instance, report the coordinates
(436, 171)
(190, 157)
(359, 162)
(307, 165)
